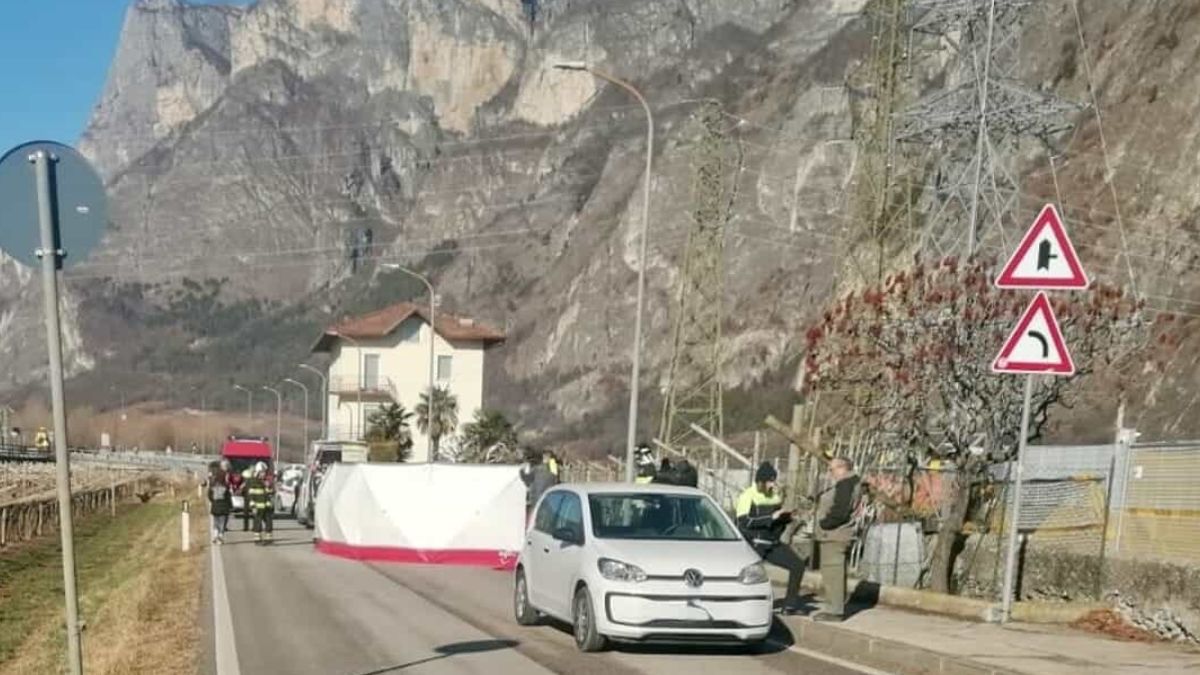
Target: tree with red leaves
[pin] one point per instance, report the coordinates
(911, 357)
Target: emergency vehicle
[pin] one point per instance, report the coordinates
(243, 452)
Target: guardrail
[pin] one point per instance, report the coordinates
(23, 453)
(150, 460)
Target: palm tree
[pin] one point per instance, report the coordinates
(490, 438)
(390, 424)
(446, 417)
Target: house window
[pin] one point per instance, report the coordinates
(370, 372)
(410, 332)
(444, 364)
(368, 409)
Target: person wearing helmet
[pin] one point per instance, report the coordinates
(644, 461)
(260, 500)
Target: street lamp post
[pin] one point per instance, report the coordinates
(278, 421)
(324, 399)
(305, 388)
(249, 404)
(631, 436)
(203, 424)
(432, 338)
(359, 388)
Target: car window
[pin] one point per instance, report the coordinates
(545, 515)
(659, 516)
(570, 514)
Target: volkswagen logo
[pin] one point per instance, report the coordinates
(693, 577)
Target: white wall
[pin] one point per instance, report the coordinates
(404, 360)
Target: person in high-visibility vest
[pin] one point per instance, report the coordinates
(42, 440)
(260, 499)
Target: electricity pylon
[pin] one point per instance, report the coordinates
(693, 392)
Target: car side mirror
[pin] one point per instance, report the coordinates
(568, 535)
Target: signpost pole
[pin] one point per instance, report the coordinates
(1010, 565)
(49, 261)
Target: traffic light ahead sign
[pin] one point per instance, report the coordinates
(1045, 258)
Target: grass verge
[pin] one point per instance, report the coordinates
(139, 596)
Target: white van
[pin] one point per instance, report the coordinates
(322, 455)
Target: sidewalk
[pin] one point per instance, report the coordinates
(900, 641)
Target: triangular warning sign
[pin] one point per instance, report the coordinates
(1045, 258)
(1036, 344)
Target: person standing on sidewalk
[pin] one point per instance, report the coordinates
(835, 533)
(220, 500)
(537, 477)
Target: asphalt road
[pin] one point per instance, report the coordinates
(292, 610)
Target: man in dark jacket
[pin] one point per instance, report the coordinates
(762, 519)
(220, 500)
(537, 478)
(835, 533)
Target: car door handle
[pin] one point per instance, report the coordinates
(545, 549)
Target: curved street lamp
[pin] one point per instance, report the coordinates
(303, 386)
(432, 337)
(324, 398)
(249, 403)
(631, 436)
(278, 421)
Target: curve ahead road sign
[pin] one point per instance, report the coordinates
(82, 204)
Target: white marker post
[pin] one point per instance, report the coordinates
(185, 528)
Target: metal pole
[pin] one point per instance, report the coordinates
(278, 423)
(432, 340)
(635, 376)
(982, 138)
(249, 405)
(49, 258)
(1010, 566)
(305, 388)
(324, 400)
(203, 426)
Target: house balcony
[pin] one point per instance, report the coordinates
(370, 389)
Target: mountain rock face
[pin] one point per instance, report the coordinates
(262, 160)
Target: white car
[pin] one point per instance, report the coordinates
(640, 563)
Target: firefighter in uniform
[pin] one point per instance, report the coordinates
(260, 499)
(762, 520)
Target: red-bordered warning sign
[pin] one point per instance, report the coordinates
(1036, 345)
(1045, 258)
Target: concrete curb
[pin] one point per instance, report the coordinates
(886, 655)
(972, 609)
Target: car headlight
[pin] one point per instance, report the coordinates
(753, 574)
(615, 570)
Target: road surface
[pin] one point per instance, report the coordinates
(288, 609)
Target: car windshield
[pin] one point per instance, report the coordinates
(673, 517)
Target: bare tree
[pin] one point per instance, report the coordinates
(911, 358)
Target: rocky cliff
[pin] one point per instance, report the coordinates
(261, 160)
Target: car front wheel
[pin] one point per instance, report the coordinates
(586, 636)
(525, 613)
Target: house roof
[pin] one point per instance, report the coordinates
(383, 322)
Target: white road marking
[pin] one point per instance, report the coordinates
(226, 644)
(829, 659)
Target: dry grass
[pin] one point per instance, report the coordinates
(139, 596)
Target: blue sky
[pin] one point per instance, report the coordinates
(54, 56)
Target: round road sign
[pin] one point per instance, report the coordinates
(81, 204)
